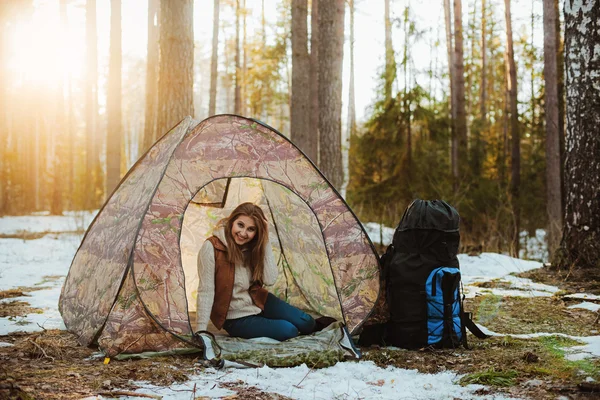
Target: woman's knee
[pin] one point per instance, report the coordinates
(284, 331)
(306, 324)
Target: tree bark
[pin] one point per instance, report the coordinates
(150, 134)
(553, 164)
(312, 148)
(581, 237)
(300, 102)
(461, 117)
(176, 64)
(212, 106)
(113, 102)
(515, 154)
(331, 43)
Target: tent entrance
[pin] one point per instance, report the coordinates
(305, 277)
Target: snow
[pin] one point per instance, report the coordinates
(44, 263)
(586, 305)
(43, 222)
(375, 230)
(362, 380)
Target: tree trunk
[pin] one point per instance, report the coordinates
(407, 103)
(553, 164)
(4, 151)
(581, 237)
(59, 160)
(351, 95)
(390, 64)
(113, 101)
(351, 123)
(483, 96)
(560, 69)
(299, 112)
(461, 117)
(150, 134)
(331, 43)
(176, 65)
(312, 148)
(212, 106)
(238, 68)
(93, 183)
(452, 79)
(515, 154)
(243, 95)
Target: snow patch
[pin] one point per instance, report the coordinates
(586, 305)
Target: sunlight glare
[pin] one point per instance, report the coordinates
(40, 52)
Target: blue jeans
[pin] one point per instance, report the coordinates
(279, 321)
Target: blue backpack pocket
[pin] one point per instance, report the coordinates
(444, 324)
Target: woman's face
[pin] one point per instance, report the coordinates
(243, 230)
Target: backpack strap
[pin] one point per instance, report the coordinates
(467, 320)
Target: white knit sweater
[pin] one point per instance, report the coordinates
(241, 303)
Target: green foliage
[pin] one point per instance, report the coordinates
(388, 171)
(491, 377)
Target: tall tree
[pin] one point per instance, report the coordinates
(351, 95)
(390, 61)
(238, 67)
(331, 43)
(92, 179)
(452, 78)
(581, 230)
(176, 63)
(312, 147)
(459, 69)
(150, 134)
(4, 164)
(483, 89)
(59, 154)
(299, 112)
(212, 103)
(553, 164)
(113, 101)
(515, 154)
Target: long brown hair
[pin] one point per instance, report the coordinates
(254, 256)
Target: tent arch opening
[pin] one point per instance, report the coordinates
(305, 278)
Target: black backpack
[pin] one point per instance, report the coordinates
(423, 282)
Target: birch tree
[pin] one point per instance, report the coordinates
(581, 230)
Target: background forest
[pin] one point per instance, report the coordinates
(461, 100)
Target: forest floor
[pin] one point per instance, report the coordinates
(50, 363)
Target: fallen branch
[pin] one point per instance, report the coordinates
(132, 394)
(40, 349)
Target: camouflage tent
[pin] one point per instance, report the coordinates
(131, 286)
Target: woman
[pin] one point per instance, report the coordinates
(233, 265)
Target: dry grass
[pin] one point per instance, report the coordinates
(51, 364)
